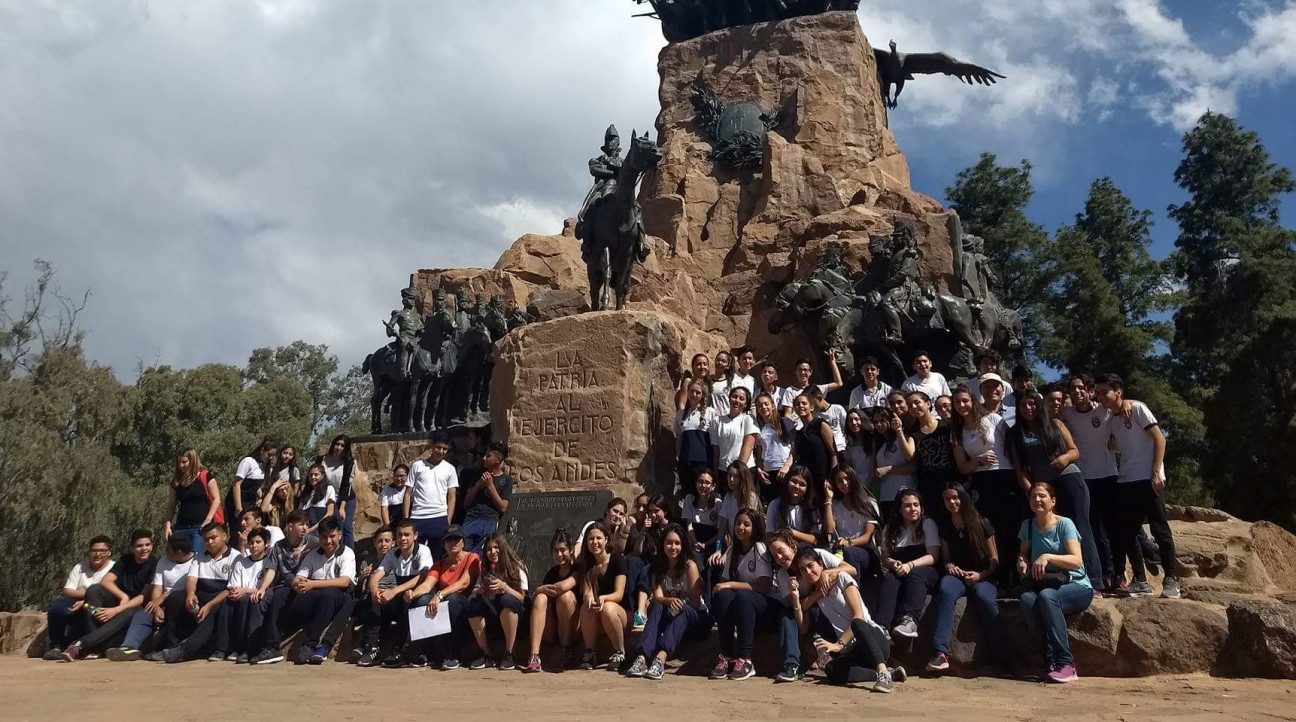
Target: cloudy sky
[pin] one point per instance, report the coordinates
(227, 174)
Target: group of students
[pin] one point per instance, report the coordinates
(833, 530)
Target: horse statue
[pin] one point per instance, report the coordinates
(434, 364)
(613, 228)
(388, 383)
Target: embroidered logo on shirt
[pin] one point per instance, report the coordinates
(1095, 422)
(1129, 424)
(891, 448)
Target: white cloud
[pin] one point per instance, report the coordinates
(227, 175)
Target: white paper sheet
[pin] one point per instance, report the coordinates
(422, 626)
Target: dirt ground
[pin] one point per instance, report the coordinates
(99, 690)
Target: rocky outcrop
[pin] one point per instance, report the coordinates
(587, 401)
(467, 283)
(20, 631)
(1218, 560)
(1261, 640)
(547, 262)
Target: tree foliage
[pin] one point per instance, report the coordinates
(1235, 341)
(1102, 315)
(83, 454)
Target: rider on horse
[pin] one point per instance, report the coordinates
(404, 328)
(604, 168)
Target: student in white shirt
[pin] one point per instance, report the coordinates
(1140, 487)
(745, 364)
(249, 479)
(722, 380)
(733, 437)
(930, 382)
(872, 391)
(249, 579)
(851, 518)
(803, 372)
(322, 581)
(391, 504)
(67, 618)
(746, 600)
(693, 427)
(191, 618)
(848, 634)
(910, 547)
(981, 455)
(1088, 422)
(773, 446)
(321, 503)
(894, 463)
(767, 377)
(433, 483)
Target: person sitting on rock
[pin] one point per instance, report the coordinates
(554, 615)
(68, 618)
(747, 600)
(249, 581)
(288, 554)
(391, 594)
(321, 583)
(910, 549)
(971, 558)
(115, 598)
(857, 646)
(1054, 582)
(497, 600)
(783, 548)
(601, 585)
(447, 586)
(678, 611)
(191, 618)
(168, 576)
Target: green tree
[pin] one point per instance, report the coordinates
(1232, 212)
(991, 200)
(1102, 315)
(1235, 340)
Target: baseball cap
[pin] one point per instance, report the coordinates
(454, 532)
(990, 377)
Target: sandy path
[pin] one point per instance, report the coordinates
(101, 690)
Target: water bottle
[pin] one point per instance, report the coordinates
(823, 657)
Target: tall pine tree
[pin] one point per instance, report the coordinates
(1101, 314)
(1235, 341)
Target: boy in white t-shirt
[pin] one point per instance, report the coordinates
(249, 579)
(804, 370)
(68, 618)
(432, 486)
(932, 383)
(1140, 485)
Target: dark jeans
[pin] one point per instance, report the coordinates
(1102, 521)
(1136, 502)
(105, 635)
(1000, 500)
(1073, 503)
(277, 620)
(183, 628)
(66, 626)
(981, 596)
(740, 612)
(1046, 613)
(858, 660)
(244, 620)
(866, 561)
(446, 646)
(664, 631)
(315, 611)
(432, 532)
(637, 570)
(475, 532)
(348, 524)
(902, 597)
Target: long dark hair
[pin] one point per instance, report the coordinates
(896, 523)
(256, 452)
(661, 564)
(279, 466)
(1041, 428)
(758, 534)
(586, 567)
(865, 436)
(857, 498)
(746, 488)
(346, 447)
(972, 524)
(317, 491)
(807, 503)
(510, 566)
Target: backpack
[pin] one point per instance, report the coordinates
(203, 478)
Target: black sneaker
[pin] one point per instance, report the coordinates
(742, 669)
(304, 654)
(123, 654)
(269, 655)
(53, 655)
(721, 668)
(479, 663)
(175, 655)
(898, 673)
(368, 657)
(395, 660)
(449, 664)
(155, 656)
(568, 658)
(791, 672)
(615, 661)
(241, 658)
(588, 660)
(506, 663)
